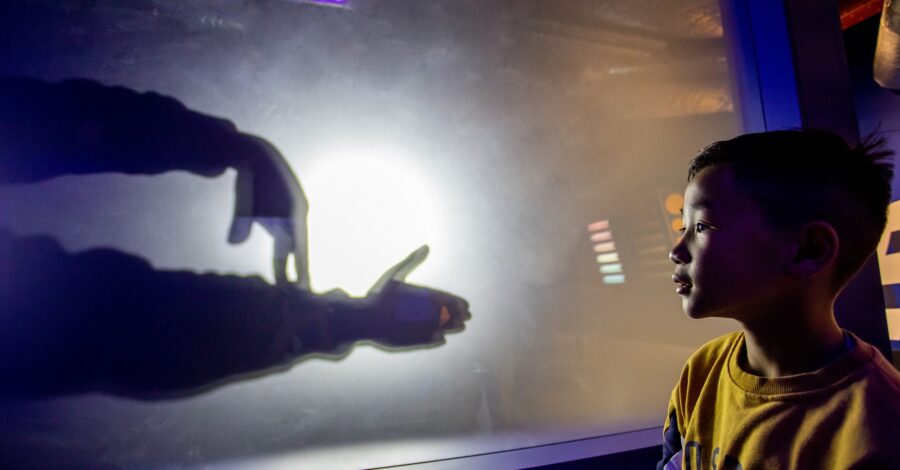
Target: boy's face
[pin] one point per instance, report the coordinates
(730, 262)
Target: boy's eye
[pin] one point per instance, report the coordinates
(699, 227)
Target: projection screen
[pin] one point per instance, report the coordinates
(538, 148)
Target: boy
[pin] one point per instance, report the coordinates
(776, 224)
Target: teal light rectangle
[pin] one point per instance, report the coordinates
(614, 279)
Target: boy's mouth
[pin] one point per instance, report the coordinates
(683, 285)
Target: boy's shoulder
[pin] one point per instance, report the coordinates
(863, 365)
(706, 365)
(714, 350)
(883, 373)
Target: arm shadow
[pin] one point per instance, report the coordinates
(103, 320)
(107, 321)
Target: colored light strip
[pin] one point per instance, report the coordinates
(598, 226)
(608, 258)
(611, 268)
(605, 247)
(601, 236)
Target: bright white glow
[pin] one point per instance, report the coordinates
(369, 208)
(291, 269)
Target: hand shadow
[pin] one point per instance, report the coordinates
(81, 127)
(104, 320)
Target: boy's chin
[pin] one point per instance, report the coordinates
(697, 310)
(694, 314)
(692, 310)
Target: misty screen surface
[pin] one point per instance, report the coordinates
(520, 140)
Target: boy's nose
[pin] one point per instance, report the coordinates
(679, 254)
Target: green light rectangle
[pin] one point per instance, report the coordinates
(611, 268)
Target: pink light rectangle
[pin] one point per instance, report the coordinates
(598, 226)
(601, 236)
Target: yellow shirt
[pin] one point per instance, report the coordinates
(843, 416)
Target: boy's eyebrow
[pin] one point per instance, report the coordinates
(701, 204)
(697, 206)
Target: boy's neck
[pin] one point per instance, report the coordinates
(792, 344)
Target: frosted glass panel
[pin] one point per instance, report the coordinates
(537, 148)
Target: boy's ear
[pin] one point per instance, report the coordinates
(815, 248)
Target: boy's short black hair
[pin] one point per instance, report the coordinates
(804, 175)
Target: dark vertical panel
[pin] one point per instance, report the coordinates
(820, 64)
(791, 71)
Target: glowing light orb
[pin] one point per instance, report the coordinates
(368, 209)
